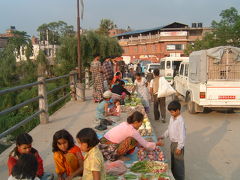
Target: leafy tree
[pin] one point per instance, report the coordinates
(105, 26)
(53, 31)
(225, 32)
(42, 64)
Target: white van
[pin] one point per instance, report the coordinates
(169, 67)
(152, 66)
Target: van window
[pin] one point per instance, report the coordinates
(162, 65)
(186, 70)
(168, 64)
(181, 69)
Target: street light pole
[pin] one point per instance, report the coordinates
(80, 85)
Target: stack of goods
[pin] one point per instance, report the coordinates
(132, 104)
(146, 128)
(154, 167)
(133, 101)
(155, 155)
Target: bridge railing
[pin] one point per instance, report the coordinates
(42, 98)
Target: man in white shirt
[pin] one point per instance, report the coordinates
(154, 85)
(177, 133)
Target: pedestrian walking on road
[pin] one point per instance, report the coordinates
(97, 76)
(177, 133)
(154, 85)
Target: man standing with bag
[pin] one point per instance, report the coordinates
(154, 87)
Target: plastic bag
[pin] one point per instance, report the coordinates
(165, 89)
(115, 168)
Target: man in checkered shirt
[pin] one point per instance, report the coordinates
(107, 70)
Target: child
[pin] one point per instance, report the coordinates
(177, 134)
(93, 160)
(102, 111)
(67, 156)
(115, 109)
(25, 168)
(24, 146)
(116, 78)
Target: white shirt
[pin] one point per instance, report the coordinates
(176, 131)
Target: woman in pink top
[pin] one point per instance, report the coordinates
(123, 138)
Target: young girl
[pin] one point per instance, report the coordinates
(142, 90)
(93, 160)
(67, 156)
(115, 109)
(25, 168)
(24, 146)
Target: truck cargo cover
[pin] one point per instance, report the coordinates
(198, 61)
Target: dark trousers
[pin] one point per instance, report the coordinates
(177, 163)
(162, 103)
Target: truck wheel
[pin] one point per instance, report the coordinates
(191, 105)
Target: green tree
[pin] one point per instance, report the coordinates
(105, 26)
(53, 31)
(42, 64)
(225, 32)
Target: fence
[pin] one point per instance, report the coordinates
(42, 98)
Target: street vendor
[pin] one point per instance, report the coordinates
(123, 138)
(119, 92)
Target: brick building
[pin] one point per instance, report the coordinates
(156, 43)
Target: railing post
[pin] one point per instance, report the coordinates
(87, 82)
(72, 85)
(43, 104)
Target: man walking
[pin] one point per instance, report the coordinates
(107, 72)
(154, 85)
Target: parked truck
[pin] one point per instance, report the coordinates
(210, 79)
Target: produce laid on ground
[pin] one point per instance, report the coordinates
(155, 167)
(145, 129)
(133, 101)
(155, 155)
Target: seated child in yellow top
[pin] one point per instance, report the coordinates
(67, 156)
(93, 160)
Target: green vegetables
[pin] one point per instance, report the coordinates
(140, 167)
(111, 177)
(130, 176)
(134, 101)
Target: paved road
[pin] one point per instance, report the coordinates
(212, 145)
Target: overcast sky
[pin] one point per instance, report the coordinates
(27, 15)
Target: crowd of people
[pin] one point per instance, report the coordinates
(85, 161)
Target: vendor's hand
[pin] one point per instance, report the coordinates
(160, 143)
(178, 151)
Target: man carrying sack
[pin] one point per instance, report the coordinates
(160, 89)
(154, 86)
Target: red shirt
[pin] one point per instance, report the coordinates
(13, 158)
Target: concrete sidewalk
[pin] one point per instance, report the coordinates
(73, 117)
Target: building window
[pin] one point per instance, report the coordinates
(172, 47)
(154, 48)
(126, 50)
(144, 48)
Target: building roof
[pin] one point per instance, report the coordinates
(172, 25)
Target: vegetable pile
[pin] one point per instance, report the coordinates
(155, 155)
(145, 129)
(133, 101)
(149, 167)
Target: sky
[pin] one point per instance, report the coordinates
(27, 15)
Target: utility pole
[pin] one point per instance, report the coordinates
(80, 84)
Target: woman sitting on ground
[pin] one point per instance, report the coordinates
(116, 78)
(123, 138)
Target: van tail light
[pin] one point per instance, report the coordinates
(202, 95)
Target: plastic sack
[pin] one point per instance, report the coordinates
(115, 168)
(165, 89)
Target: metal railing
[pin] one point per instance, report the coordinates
(42, 98)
